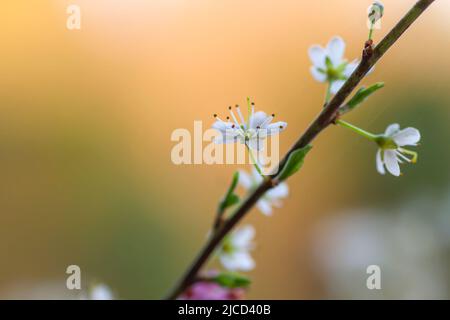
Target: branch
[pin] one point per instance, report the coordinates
(322, 121)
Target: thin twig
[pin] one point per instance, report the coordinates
(323, 120)
(219, 219)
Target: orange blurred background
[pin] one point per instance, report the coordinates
(86, 118)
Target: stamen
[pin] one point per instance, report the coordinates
(250, 112)
(402, 156)
(273, 114)
(240, 114)
(233, 116)
(412, 153)
(217, 117)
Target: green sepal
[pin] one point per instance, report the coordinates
(230, 197)
(231, 280)
(294, 163)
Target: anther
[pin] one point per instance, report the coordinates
(229, 108)
(273, 114)
(215, 115)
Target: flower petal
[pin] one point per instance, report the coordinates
(276, 127)
(237, 260)
(246, 262)
(101, 292)
(242, 237)
(407, 137)
(317, 55)
(228, 133)
(264, 206)
(257, 119)
(391, 162)
(207, 291)
(392, 129)
(229, 261)
(350, 67)
(336, 86)
(317, 75)
(280, 191)
(335, 50)
(246, 180)
(379, 161)
(222, 126)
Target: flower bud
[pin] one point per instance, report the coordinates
(376, 11)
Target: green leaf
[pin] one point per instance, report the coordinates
(362, 94)
(294, 163)
(230, 197)
(231, 280)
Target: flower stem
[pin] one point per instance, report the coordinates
(252, 157)
(361, 132)
(328, 93)
(371, 31)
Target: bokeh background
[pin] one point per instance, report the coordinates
(85, 124)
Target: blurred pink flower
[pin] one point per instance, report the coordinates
(211, 291)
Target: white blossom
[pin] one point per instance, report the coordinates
(100, 292)
(329, 64)
(270, 198)
(391, 150)
(234, 253)
(252, 132)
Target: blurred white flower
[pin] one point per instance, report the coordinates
(234, 253)
(409, 246)
(391, 152)
(329, 64)
(270, 198)
(100, 292)
(251, 132)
